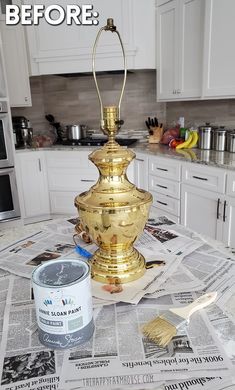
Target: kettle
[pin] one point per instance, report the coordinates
(76, 132)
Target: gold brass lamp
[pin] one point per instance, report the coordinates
(113, 212)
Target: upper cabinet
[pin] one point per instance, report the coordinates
(180, 34)
(15, 56)
(195, 59)
(68, 49)
(219, 54)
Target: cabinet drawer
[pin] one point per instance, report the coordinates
(212, 179)
(164, 186)
(71, 179)
(166, 203)
(63, 202)
(162, 167)
(231, 184)
(68, 159)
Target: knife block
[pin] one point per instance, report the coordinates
(156, 135)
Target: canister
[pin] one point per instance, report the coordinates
(219, 139)
(205, 137)
(230, 141)
(63, 300)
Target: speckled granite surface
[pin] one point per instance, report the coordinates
(224, 160)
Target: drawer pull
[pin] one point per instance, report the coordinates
(139, 159)
(162, 169)
(217, 213)
(88, 181)
(159, 185)
(224, 213)
(164, 204)
(200, 178)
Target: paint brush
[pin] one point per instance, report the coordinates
(163, 328)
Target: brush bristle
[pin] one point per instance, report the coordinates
(159, 331)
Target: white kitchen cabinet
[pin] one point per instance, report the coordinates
(141, 171)
(17, 72)
(201, 211)
(32, 185)
(207, 204)
(180, 32)
(219, 56)
(68, 49)
(229, 221)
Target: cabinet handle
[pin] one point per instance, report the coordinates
(218, 204)
(200, 178)
(174, 91)
(178, 91)
(224, 213)
(163, 169)
(159, 185)
(139, 159)
(39, 165)
(164, 204)
(88, 181)
(26, 99)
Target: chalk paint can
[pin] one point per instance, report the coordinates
(63, 300)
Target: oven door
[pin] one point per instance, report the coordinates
(9, 202)
(6, 146)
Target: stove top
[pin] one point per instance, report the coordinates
(98, 142)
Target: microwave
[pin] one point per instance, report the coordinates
(6, 145)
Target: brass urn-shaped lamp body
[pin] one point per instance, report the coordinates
(114, 211)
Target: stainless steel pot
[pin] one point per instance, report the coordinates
(231, 141)
(75, 132)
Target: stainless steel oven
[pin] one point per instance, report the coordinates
(9, 202)
(6, 146)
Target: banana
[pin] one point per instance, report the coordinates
(184, 153)
(194, 140)
(186, 144)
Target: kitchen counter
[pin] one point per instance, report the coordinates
(223, 160)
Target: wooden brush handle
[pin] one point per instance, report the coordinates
(200, 303)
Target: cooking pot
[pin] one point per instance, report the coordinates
(75, 132)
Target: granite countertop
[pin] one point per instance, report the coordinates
(223, 160)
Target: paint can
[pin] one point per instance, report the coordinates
(63, 300)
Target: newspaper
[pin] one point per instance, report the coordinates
(162, 265)
(24, 362)
(119, 352)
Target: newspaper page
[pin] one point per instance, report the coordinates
(24, 361)
(24, 255)
(201, 271)
(160, 267)
(118, 351)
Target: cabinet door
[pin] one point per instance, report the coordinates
(31, 170)
(68, 49)
(167, 50)
(17, 72)
(229, 222)
(201, 211)
(141, 172)
(190, 46)
(219, 56)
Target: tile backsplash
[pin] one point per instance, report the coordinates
(217, 112)
(74, 100)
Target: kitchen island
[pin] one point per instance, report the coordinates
(21, 250)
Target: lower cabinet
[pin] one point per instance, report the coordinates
(200, 211)
(208, 213)
(141, 171)
(32, 185)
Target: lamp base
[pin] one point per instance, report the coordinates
(117, 268)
